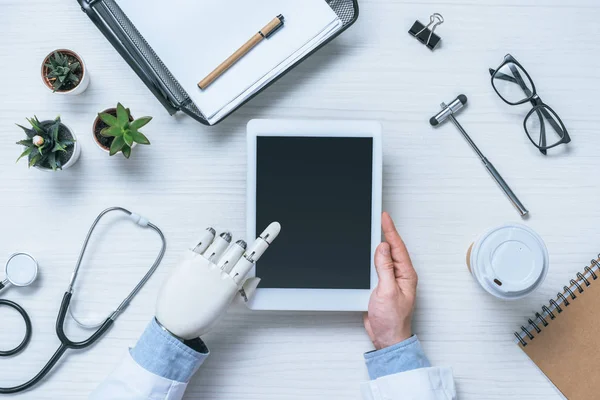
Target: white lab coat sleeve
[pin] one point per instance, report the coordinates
(157, 368)
(434, 383)
(129, 381)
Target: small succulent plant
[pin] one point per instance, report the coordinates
(123, 131)
(62, 71)
(47, 144)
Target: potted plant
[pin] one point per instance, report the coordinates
(64, 72)
(50, 145)
(115, 130)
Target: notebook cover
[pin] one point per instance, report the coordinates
(566, 350)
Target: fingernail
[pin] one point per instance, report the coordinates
(384, 250)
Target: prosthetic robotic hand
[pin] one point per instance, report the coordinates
(201, 288)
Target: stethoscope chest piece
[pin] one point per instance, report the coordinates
(21, 269)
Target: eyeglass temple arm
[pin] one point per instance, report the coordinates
(520, 80)
(502, 76)
(542, 129)
(517, 79)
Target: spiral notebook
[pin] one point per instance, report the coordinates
(561, 339)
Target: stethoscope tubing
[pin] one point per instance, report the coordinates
(65, 342)
(28, 330)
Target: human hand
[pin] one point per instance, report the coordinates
(392, 302)
(200, 289)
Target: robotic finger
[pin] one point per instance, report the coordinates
(232, 256)
(218, 247)
(205, 241)
(253, 254)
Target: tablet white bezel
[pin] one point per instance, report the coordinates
(315, 299)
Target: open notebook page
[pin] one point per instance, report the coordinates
(194, 37)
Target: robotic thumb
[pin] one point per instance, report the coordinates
(247, 291)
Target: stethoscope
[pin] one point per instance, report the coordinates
(22, 269)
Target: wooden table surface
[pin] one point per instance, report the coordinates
(192, 176)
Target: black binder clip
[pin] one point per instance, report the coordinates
(424, 34)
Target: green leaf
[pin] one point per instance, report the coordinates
(111, 131)
(73, 67)
(58, 147)
(122, 115)
(25, 153)
(138, 123)
(128, 139)
(126, 151)
(26, 142)
(52, 161)
(54, 130)
(35, 123)
(108, 119)
(29, 132)
(34, 160)
(56, 85)
(139, 137)
(116, 146)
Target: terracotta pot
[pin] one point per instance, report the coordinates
(84, 81)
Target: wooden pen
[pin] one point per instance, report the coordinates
(264, 33)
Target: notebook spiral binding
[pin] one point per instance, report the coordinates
(558, 305)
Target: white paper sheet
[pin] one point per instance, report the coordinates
(194, 37)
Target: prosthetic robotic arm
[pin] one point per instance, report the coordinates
(201, 288)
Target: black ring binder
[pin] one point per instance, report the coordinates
(582, 278)
(563, 298)
(555, 305)
(548, 311)
(594, 264)
(537, 328)
(130, 44)
(588, 269)
(568, 290)
(575, 283)
(529, 334)
(523, 342)
(539, 316)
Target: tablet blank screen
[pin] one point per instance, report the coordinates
(320, 190)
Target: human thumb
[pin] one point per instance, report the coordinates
(384, 264)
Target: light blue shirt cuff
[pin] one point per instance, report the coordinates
(159, 352)
(404, 356)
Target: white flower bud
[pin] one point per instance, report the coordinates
(38, 140)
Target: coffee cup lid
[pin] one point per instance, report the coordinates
(510, 261)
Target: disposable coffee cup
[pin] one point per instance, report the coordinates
(509, 261)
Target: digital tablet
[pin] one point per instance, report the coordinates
(322, 181)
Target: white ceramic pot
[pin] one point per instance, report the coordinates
(76, 152)
(83, 83)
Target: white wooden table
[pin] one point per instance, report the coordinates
(192, 176)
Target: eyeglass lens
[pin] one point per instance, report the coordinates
(512, 83)
(543, 127)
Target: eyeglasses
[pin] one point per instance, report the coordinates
(543, 126)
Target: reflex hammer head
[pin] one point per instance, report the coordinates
(448, 110)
